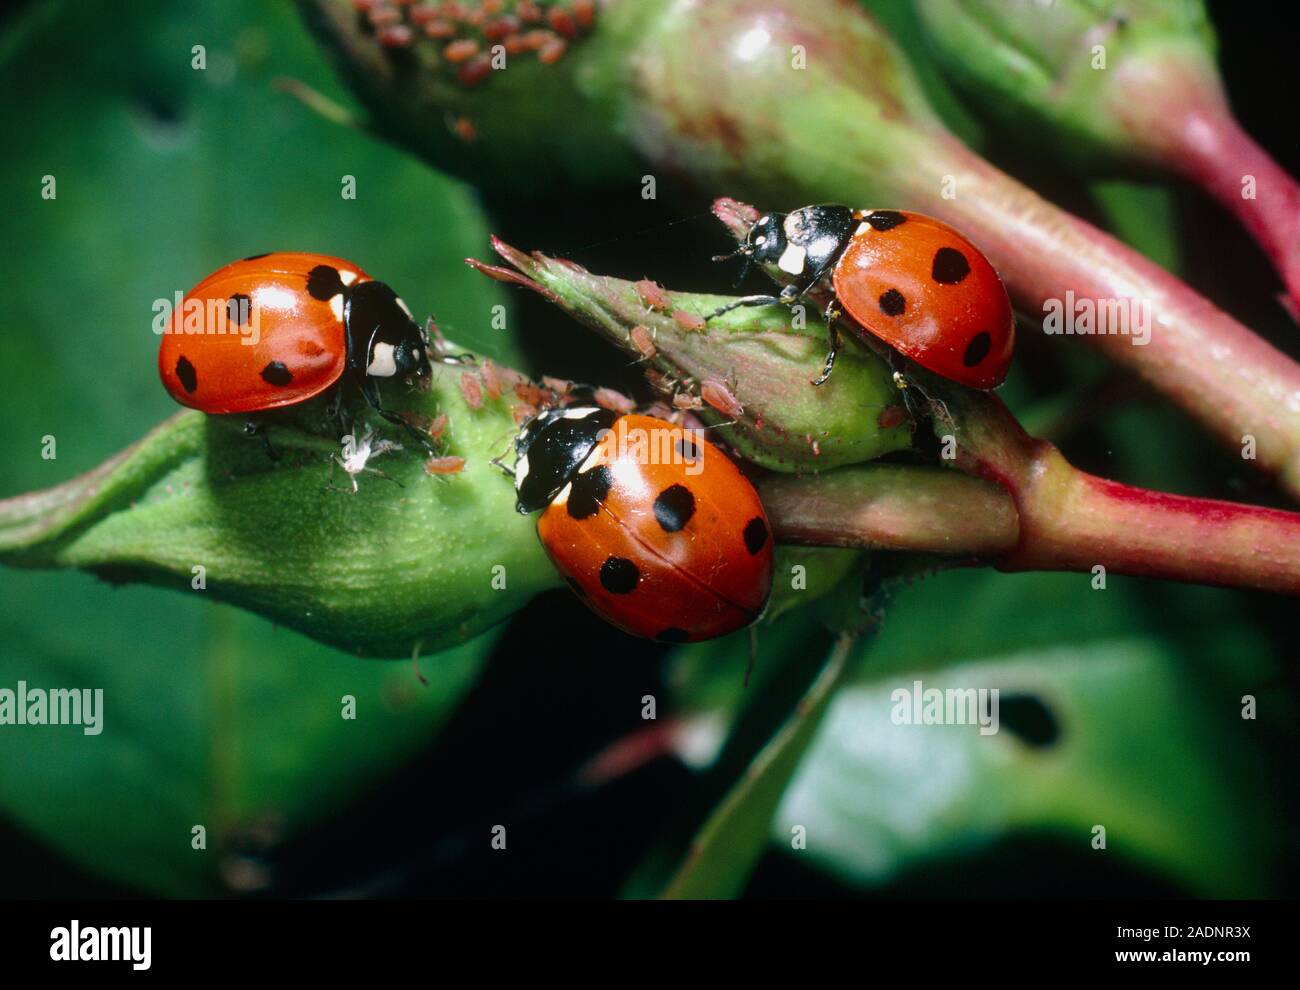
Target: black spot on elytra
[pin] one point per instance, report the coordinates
(619, 576)
(276, 373)
(755, 534)
(186, 373)
(892, 303)
(674, 508)
(673, 635)
(254, 257)
(1029, 718)
(688, 450)
(978, 349)
(950, 266)
(590, 488)
(323, 283)
(885, 219)
(238, 307)
(578, 589)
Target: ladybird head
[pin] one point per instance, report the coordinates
(766, 241)
(411, 355)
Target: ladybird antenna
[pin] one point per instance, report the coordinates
(742, 249)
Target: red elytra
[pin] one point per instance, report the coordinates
(929, 293)
(654, 527)
(226, 364)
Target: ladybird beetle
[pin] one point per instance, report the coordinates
(278, 329)
(904, 278)
(652, 526)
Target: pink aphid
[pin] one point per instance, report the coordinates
(475, 70)
(491, 380)
(444, 465)
(653, 296)
(684, 400)
(472, 390)
(394, 36)
(617, 402)
(721, 398)
(642, 341)
(563, 21)
(531, 394)
(688, 321)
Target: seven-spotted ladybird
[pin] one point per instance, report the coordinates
(906, 279)
(278, 329)
(652, 526)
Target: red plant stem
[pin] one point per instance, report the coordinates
(1211, 150)
(1090, 521)
(1205, 361)
(1184, 124)
(1072, 520)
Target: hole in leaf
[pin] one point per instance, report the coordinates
(1030, 719)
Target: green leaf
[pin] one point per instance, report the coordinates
(1149, 740)
(731, 842)
(210, 717)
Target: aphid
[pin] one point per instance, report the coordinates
(688, 321)
(721, 398)
(642, 341)
(471, 390)
(444, 465)
(652, 296)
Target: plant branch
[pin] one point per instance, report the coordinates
(1019, 505)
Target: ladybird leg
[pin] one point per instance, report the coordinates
(830, 315)
(499, 464)
(745, 301)
(910, 390)
(256, 428)
(370, 390)
(434, 344)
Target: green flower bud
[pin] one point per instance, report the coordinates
(483, 96)
(750, 368)
(748, 92)
(408, 560)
